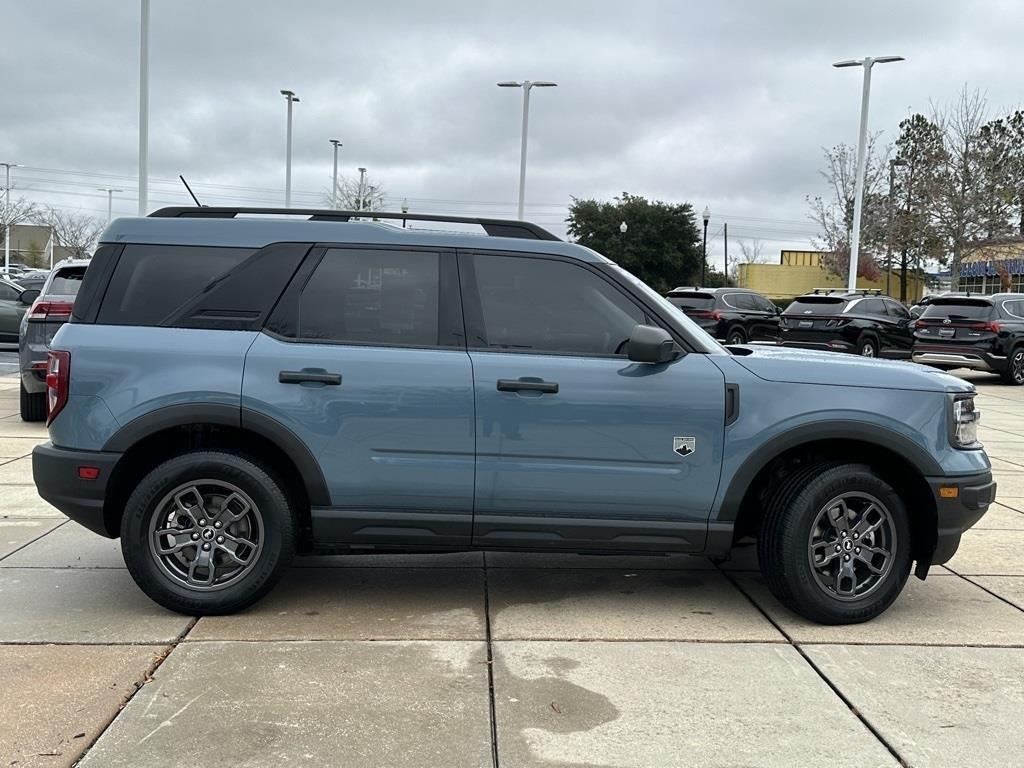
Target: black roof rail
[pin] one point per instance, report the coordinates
(493, 227)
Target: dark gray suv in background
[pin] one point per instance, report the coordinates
(48, 313)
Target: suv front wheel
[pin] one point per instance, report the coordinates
(207, 533)
(835, 543)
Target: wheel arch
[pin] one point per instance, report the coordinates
(173, 430)
(897, 459)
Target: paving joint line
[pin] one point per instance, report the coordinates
(33, 541)
(490, 668)
(796, 646)
(147, 678)
(983, 588)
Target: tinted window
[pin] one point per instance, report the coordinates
(958, 309)
(66, 282)
(551, 306)
(8, 292)
(692, 300)
(815, 305)
(372, 297)
(1015, 308)
(151, 281)
(763, 304)
(743, 301)
(870, 307)
(897, 310)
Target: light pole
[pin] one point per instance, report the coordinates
(704, 248)
(373, 191)
(7, 213)
(526, 85)
(362, 180)
(110, 199)
(858, 196)
(334, 184)
(144, 110)
(405, 210)
(888, 240)
(623, 228)
(291, 98)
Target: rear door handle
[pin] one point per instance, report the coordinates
(308, 376)
(527, 385)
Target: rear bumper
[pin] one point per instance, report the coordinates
(832, 345)
(959, 357)
(55, 471)
(974, 494)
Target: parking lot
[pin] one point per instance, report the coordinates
(500, 659)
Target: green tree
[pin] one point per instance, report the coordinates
(1003, 139)
(661, 245)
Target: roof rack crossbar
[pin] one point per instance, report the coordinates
(493, 227)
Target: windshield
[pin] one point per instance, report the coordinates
(691, 300)
(815, 305)
(963, 309)
(700, 338)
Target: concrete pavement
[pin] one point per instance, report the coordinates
(522, 660)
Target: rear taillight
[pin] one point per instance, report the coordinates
(712, 315)
(992, 326)
(50, 310)
(837, 322)
(58, 370)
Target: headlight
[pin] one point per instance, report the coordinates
(964, 423)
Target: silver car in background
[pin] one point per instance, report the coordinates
(48, 313)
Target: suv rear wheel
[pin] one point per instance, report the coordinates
(33, 405)
(1014, 372)
(835, 543)
(867, 346)
(207, 533)
(736, 336)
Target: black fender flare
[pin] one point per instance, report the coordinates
(862, 432)
(226, 415)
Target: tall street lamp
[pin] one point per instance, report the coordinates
(888, 240)
(858, 196)
(526, 85)
(704, 248)
(110, 199)
(144, 109)
(622, 241)
(334, 184)
(7, 213)
(362, 180)
(291, 98)
(405, 210)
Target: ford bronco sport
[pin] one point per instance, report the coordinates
(232, 390)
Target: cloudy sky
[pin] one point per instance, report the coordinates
(720, 103)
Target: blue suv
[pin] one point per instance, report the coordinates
(234, 389)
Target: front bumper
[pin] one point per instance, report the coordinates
(56, 474)
(955, 514)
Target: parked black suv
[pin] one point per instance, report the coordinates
(733, 315)
(862, 322)
(982, 332)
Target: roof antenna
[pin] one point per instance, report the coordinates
(198, 204)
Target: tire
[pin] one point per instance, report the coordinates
(736, 336)
(1014, 372)
(33, 405)
(796, 530)
(257, 522)
(867, 346)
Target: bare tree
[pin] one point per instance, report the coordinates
(77, 232)
(834, 213)
(752, 252)
(348, 194)
(18, 212)
(967, 206)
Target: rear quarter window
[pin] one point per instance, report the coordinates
(151, 281)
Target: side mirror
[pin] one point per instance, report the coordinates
(778, 310)
(27, 296)
(648, 344)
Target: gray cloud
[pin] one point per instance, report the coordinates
(723, 104)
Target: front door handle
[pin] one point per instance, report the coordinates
(319, 376)
(527, 385)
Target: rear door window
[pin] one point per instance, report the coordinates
(151, 281)
(744, 301)
(815, 305)
(897, 310)
(958, 309)
(870, 307)
(382, 297)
